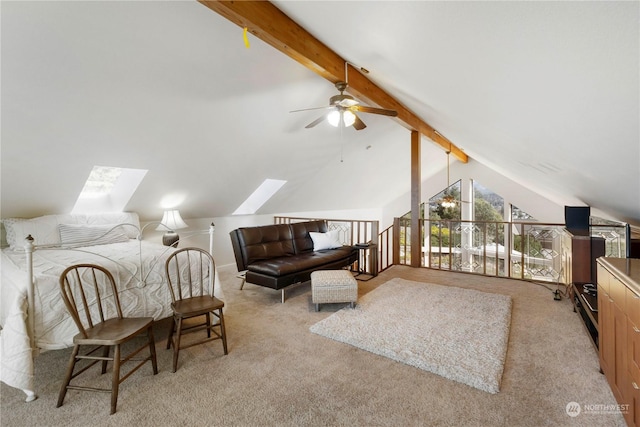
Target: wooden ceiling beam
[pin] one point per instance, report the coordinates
(268, 23)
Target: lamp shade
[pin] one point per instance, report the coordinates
(334, 118)
(172, 220)
(348, 118)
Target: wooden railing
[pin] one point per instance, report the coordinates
(386, 248)
(518, 250)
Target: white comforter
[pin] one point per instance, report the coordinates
(141, 285)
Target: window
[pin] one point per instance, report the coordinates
(108, 189)
(518, 214)
(487, 205)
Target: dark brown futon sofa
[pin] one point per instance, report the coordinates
(279, 255)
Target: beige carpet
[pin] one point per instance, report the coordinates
(460, 334)
(277, 373)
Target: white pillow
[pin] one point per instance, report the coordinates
(44, 229)
(328, 240)
(72, 235)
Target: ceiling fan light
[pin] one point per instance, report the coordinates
(334, 118)
(348, 117)
(448, 202)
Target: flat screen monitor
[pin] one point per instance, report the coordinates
(577, 217)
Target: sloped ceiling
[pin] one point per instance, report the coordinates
(546, 93)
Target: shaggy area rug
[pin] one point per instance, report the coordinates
(460, 334)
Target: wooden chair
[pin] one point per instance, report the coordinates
(90, 294)
(190, 274)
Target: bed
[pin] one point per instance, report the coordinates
(34, 318)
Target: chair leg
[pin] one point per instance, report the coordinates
(152, 350)
(105, 353)
(115, 381)
(208, 319)
(68, 375)
(223, 331)
(171, 331)
(176, 345)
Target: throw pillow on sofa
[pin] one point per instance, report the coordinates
(328, 240)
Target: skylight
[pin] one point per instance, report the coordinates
(108, 189)
(101, 181)
(260, 196)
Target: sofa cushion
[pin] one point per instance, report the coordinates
(295, 263)
(266, 242)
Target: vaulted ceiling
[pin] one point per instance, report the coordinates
(545, 93)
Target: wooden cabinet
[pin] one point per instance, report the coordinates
(613, 338)
(633, 336)
(579, 253)
(606, 345)
(619, 327)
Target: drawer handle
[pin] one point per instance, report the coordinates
(633, 383)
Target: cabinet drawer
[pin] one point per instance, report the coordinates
(633, 352)
(633, 306)
(618, 293)
(603, 277)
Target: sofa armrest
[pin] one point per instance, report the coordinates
(237, 251)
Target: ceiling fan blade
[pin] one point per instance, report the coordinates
(373, 110)
(315, 122)
(310, 109)
(358, 124)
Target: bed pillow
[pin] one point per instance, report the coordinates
(73, 235)
(44, 229)
(328, 240)
(109, 218)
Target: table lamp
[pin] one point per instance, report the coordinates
(171, 221)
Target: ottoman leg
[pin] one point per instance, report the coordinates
(317, 307)
(353, 304)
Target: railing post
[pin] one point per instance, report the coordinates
(416, 244)
(375, 254)
(396, 241)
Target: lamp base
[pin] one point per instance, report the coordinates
(170, 238)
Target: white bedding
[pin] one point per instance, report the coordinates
(142, 292)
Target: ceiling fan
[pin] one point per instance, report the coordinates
(343, 108)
